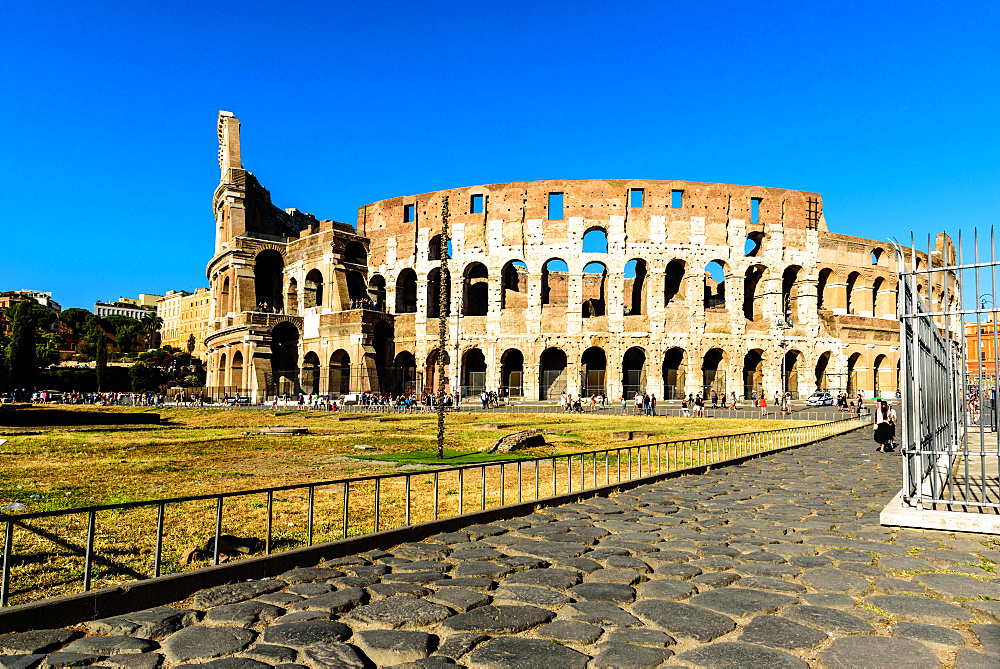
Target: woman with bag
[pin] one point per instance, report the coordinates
(884, 429)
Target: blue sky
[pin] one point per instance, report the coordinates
(108, 149)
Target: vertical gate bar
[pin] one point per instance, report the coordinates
(407, 514)
(270, 519)
(482, 480)
(607, 467)
(8, 556)
(461, 491)
(595, 469)
(583, 482)
(996, 341)
(159, 540)
(960, 405)
(537, 467)
(569, 473)
(503, 484)
(218, 530)
(554, 477)
(979, 366)
(659, 463)
(347, 505)
(618, 457)
(89, 559)
(436, 478)
(519, 498)
(378, 498)
(309, 518)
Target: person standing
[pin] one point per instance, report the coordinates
(883, 427)
(685, 403)
(763, 405)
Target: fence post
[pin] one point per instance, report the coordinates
(436, 477)
(378, 495)
(347, 505)
(159, 541)
(218, 530)
(407, 521)
(8, 556)
(309, 517)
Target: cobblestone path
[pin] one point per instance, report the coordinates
(779, 562)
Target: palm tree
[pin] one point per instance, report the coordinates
(151, 323)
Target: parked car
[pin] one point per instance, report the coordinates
(820, 398)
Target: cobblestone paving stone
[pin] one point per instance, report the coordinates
(777, 562)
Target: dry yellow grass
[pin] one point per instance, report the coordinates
(199, 452)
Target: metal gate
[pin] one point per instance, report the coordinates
(553, 384)
(949, 438)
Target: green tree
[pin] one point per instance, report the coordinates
(151, 323)
(144, 377)
(47, 347)
(100, 356)
(21, 355)
(4, 372)
(127, 334)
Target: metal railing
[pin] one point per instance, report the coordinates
(334, 509)
(948, 358)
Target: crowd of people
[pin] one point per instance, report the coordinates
(365, 303)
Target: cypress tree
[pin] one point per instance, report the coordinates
(101, 357)
(21, 360)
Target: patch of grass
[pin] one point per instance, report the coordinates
(430, 458)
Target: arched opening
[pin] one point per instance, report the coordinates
(635, 287)
(790, 371)
(476, 290)
(514, 294)
(852, 374)
(595, 367)
(406, 292)
(634, 371)
(885, 305)
(434, 248)
(754, 245)
(595, 277)
(713, 375)
(312, 295)
(673, 289)
(434, 293)
(715, 285)
(432, 375)
(268, 272)
(822, 371)
(851, 293)
(340, 373)
(222, 370)
(824, 297)
(404, 374)
(284, 375)
(753, 373)
(791, 289)
(595, 240)
(555, 282)
(878, 366)
(310, 373)
(674, 367)
(292, 298)
(236, 375)
(512, 373)
(754, 286)
(376, 291)
(383, 342)
(354, 252)
(357, 290)
(552, 374)
(877, 254)
(473, 373)
(224, 306)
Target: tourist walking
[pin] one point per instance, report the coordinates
(763, 405)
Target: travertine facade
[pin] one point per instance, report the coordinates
(534, 308)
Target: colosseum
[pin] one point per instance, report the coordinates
(611, 286)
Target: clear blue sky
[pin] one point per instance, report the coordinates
(108, 144)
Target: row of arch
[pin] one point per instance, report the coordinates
(851, 296)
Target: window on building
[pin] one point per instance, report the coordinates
(555, 206)
(635, 198)
(754, 210)
(676, 199)
(409, 215)
(476, 204)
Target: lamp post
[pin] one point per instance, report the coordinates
(784, 323)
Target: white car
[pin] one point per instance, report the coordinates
(820, 398)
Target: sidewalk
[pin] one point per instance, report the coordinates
(776, 562)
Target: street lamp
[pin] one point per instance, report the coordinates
(784, 323)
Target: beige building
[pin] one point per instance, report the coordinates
(611, 286)
(184, 315)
